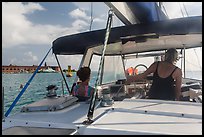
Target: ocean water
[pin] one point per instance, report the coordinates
(37, 88)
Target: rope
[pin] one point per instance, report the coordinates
(93, 98)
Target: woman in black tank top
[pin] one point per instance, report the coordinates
(162, 88)
(165, 88)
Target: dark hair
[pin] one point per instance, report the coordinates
(84, 73)
(171, 55)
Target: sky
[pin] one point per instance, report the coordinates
(29, 28)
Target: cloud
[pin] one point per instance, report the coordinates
(25, 59)
(83, 5)
(30, 56)
(79, 13)
(31, 7)
(98, 20)
(15, 26)
(99, 13)
(80, 24)
(17, 30)
(13, 61)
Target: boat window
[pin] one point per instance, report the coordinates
(113, 68)
(147, 61)
(193, 63)
(94, 65)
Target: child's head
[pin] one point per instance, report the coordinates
(84, 73)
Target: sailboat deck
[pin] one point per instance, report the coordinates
(137, 116)
(130, 116)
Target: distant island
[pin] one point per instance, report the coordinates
(10, 69)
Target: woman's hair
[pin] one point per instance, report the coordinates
(171, 55)
(84, 73)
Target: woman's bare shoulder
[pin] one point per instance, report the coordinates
(178, 72)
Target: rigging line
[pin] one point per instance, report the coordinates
(181, 9)
(91, 16)
(25, 87)
(92, 103)
(165, 10)
(185, 10)
(197, 58)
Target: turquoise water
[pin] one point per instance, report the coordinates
(37, 88)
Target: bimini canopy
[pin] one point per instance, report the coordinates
(174, 33)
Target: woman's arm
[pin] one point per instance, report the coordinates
(178, 80)
(143, 75)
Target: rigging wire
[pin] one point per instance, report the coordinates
(161, 6)
(185, 10)
(164, 9)
(197, 58)
(181, 9)
(91, 16)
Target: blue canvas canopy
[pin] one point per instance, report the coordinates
(79, 43)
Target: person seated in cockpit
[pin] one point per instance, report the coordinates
(82, 90)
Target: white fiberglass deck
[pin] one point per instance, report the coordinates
(131, 116)
(150, 117)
